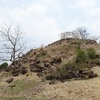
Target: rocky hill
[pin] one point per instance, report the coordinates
(49, 58)
(55, 62)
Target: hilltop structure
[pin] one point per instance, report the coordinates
(65, 35)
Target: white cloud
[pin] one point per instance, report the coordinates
(87, 4)
(94, 27)
(95, 11)
(38, 9)
(5, 1)
(89, 7)
(87, 14)
(51, 2)
(45, 20)
(75, 23)
(44, 31)
(34, 19)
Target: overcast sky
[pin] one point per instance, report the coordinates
(44, 20)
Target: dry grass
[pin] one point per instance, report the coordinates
(70, 90)
(22, 83)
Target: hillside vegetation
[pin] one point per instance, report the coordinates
(61, 57)
(62, 61)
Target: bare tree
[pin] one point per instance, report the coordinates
(12, 45)
(95, 38)
(75, 35)
(81, 33)
(65, 35)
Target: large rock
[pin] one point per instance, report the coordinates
(23, 70)
(86, 74)
(7, 69)
(30, 60)
(9, 80)
(15, 72)
(47, 65)
(36, 68)
(19, 64)
(40, 74)
(72, 74)
(55, 60)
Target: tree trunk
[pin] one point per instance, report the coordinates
(14, 59)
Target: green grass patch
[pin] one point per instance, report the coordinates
(13, 98)
(21, 86)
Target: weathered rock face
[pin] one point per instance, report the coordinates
(30, 60)
(7, 69)
(40, 66)
(86, 74)
(15, 72)
(36, 67)
(19, 64)
(55, 61)
(72, 74)
(9, 80)
(47, 65)
(37, 61)
(23, 70)
(39, 74)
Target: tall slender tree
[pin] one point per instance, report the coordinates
(12, 44)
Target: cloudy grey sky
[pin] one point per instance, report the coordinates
(44, 20)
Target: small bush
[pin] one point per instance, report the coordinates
(66, 71)
(74, 66)
(4, 65)
(81, 56)
(91, 53)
